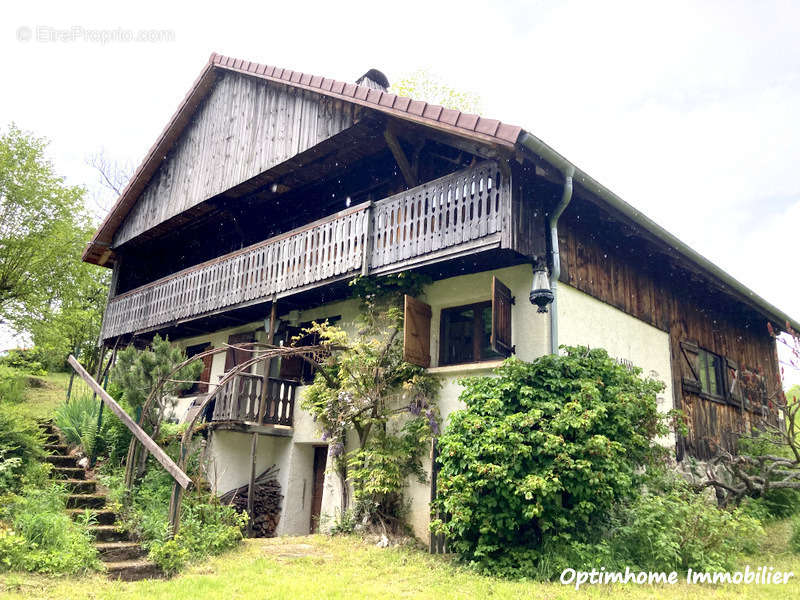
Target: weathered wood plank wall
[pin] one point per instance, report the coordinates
(622, 272)
(244, 127)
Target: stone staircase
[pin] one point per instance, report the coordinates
(123, 557)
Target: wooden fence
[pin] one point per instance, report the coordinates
(428, 222)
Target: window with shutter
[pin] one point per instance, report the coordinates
(734, 385)
(690, 367)
(502, 300)
(236, 356)
(417, 332)
(205, 375)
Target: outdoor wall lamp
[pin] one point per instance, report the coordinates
(541, 294)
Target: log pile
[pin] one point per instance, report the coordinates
(267, 502)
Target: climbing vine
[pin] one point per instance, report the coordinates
(377, 411)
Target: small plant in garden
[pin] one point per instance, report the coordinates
(368, 390)
(78, 421)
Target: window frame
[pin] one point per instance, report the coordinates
(705, 364)
(477, 334)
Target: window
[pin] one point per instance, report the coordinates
(465, 334)
(295, 367)
(202, 386)
(711, 373)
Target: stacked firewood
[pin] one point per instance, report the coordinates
(266, 504)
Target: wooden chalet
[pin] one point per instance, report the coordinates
(274, 187)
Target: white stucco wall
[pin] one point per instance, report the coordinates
(586, 321)
(582, 320)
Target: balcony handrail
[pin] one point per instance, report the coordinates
(281, 236)
(465, 210)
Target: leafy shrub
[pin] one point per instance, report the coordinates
(29, 360)
(542, 454)
(12, 384)
(21, 445)
(77, 420)
(42, 537)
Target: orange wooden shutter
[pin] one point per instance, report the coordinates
(417, 332)
(501, 318)
(236, 357)
(205, 376)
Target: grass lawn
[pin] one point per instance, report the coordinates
(322, 567)
(48, 393)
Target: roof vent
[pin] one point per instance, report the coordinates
(374, 79)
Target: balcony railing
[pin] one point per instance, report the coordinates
(460, 212)
(239, 400)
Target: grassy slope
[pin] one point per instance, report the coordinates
(321, 567)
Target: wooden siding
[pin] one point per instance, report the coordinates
(459, 213)
(245, 127)
(624, 273)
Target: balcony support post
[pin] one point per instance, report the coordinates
(273, 314)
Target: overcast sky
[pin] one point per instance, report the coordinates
(687, 110)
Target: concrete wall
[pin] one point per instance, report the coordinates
(583, 320)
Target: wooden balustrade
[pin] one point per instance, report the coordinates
(432, 221)
(239, 400)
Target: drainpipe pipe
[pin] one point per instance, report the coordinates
(567, 169)
(555, 273)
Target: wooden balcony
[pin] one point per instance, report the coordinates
(451, 216)
(239, 400)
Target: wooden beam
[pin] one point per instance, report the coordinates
(177, 474)
(400, 157)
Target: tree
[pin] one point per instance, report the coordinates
(368, 389)
(45, 289)
(423, 85)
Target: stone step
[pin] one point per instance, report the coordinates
(119, 551)
(81, 486)
(52, 438)
(68, 473)
(132, 570)
(103, 516)
(61, 449)
(62, 461)
(86, 501)
(108, 533)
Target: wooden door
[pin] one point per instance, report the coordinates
(320, 462)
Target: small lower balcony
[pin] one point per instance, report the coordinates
(245, 401)
(458, 215)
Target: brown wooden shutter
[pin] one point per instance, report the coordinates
(236, 357)
(690, 367)
(417, 332)
(205, 375)
(733, 389)
(502, 300)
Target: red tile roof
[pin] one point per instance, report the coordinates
(463, 124)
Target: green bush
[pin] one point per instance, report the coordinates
(12, 384)
(21, 446)
(41, 536)
(30, 360)
(542, 454)
(77, 420)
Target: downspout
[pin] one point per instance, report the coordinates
(555, 273)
